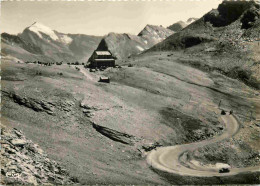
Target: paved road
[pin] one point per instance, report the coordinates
(167, 159)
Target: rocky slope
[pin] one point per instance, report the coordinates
(24, 163)
(15, 47)
(41, 43)
(153, 34)
(125, 45)
(230, 40)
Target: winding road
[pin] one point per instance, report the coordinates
(167, 159)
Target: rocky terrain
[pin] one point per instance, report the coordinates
(24, 162)
(225, 42)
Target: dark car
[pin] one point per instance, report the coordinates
(104, 79)
(224, 170)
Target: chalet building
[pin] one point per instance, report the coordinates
(101, 59)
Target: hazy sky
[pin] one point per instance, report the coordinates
(99, 18)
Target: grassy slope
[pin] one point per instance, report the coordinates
(68, 137)
(242, 150)
(156, 100)
(229, 49)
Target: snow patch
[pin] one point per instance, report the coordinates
(65, 39)
(155, 33)
(39, 28)
(139, 48)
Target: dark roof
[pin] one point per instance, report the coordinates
(104, 59)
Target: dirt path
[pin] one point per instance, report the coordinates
(167, 159)
(86, 73)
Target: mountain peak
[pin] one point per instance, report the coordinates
(152, 26)
(191, 20)
(176, 27)
(38, 24)
(40, 29)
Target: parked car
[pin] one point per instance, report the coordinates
(104, 79)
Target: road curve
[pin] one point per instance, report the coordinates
(167, 159)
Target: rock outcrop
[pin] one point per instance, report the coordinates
(40, 105)
(115, 135)
(24, 163)
(36, 105)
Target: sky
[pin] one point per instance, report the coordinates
(99, 18)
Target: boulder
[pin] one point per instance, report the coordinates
(19, 142)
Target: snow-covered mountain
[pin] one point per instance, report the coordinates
(51, 45)
(43, 31)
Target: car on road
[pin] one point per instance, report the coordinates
(224, 170)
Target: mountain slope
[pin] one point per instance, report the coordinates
(122, 45)
(82, 45)
(154, 34)
(177, 26)
(50, 43)
(125, 45)
(14, 47)
(38, 42)
(217, 34)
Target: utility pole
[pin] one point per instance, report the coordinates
(258, 39)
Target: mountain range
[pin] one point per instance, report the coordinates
(40, 43)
